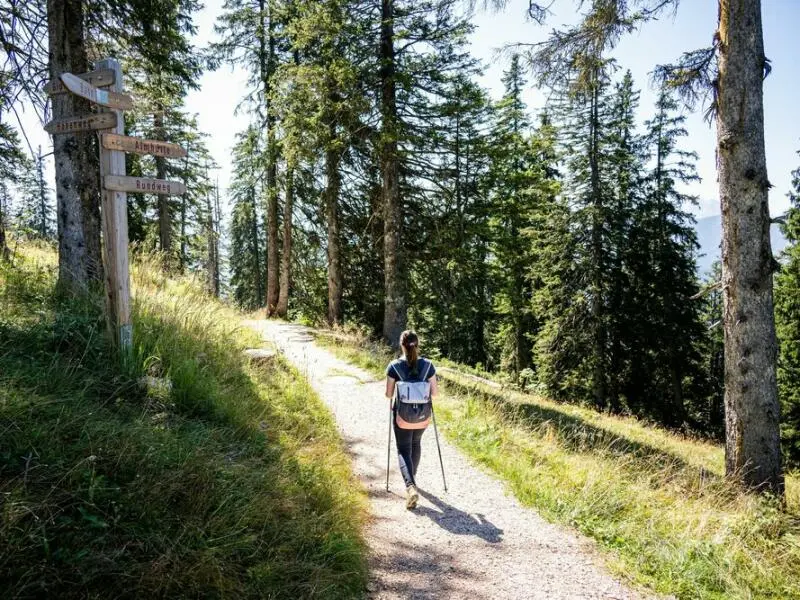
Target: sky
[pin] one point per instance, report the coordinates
(656, 43)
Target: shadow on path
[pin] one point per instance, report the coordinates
(457, 521)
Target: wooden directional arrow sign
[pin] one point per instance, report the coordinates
(79, 87)
(84, 123)
(143, 185)
(123, 143)
(99, 78)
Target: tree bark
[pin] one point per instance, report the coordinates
(164, 216)
(335, 313)
(272, 179)
(42, 199)
(4, 252)
(752, 412)
(217, 216)
(211, 267)
(256, 243)
(286, 255)
(76, 159)
(395, 310)
(599, 387)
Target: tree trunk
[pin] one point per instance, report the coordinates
(182, 258)
(77, 164)
(599, 388)
(256, 243)
(286, 255)
(217, 229)
(333, 176)
(164, 216)
(211, 247)
(4, 252)
(752, 412)
(42, 199)
(272, 180)
(395, 311)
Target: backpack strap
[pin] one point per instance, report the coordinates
(397, 372)
(425, 377)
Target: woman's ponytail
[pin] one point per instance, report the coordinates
(409, 342)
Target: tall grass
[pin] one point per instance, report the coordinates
(217, 479)
(657, 502)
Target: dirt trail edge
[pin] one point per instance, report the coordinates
(475, 541)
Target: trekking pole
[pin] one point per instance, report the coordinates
(436, 431)
(389, 448)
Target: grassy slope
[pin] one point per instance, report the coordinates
(233, 483)
(657, 501)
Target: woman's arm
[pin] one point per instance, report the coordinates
(434, 385)
(390, 383)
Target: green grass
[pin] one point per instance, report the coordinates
(229, 482)
(656, 502)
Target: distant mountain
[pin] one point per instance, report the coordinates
(709, 236)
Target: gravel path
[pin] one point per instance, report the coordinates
(475, 541)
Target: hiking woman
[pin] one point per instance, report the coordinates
(410, 368)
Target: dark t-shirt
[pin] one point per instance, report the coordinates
(400, 370)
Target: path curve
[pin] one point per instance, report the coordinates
(475, 541)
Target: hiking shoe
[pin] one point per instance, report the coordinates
(412, 497)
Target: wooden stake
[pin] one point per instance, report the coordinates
(115, 231)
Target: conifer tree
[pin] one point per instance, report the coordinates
(35, 211)
(450, 297)
(711, 412)
(787, 313)
(247, 258)
(573, 351)
(663, 249)
(732, 70)
(513, 180)
(251, 33)
(625, 322)
(12, 161)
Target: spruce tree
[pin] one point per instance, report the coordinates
(35, 210)
(12, 161)
(670, 382)
(450, 302)
(787, 313)
(252, 33)
(247, 258)
(572, 352)
(513, 178)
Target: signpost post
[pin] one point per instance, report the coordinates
(114, 207)
(114, 201)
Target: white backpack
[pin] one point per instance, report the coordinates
(413, 401)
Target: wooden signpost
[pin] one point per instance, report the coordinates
(84, 123)
(107, 98)
(100, 78)
(144, 185)
(124, 143)
(114, 201)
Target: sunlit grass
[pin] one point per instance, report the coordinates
(217, 479)
(656, 501)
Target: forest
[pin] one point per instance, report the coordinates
(378, 186)
(193, 382)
